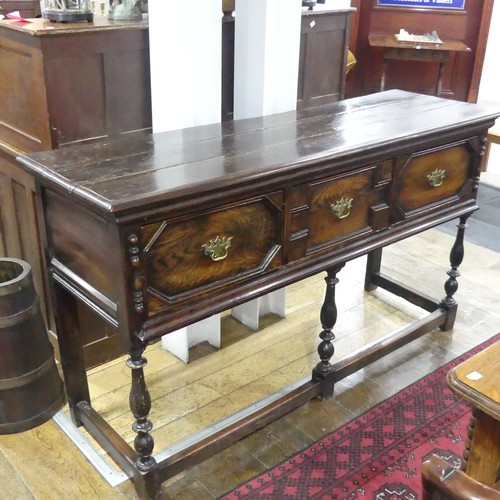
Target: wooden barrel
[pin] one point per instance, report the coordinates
(31, 390)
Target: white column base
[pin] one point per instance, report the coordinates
(209, 330)
(179, 342)
(249, 313)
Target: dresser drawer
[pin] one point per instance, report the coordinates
(211, 248)
(431, 177)
(341, 207)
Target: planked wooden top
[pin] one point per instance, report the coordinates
(120, 175)
(42, 27)
(477, 380)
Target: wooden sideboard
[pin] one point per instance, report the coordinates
(27, 8)
(61, 84)
(155, 232)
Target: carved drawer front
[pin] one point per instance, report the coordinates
(213, 248)
(340, 207)
(428, 178)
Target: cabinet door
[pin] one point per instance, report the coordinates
(323, 58)
(212, 249)
(430, 179)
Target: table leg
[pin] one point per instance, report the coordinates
(140, 405)
(373, 265)
(382, 76)
(328, 319)
(439, 87)
(71, 349)
(482, 449)
(451, 285)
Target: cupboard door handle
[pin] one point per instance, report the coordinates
(217, 249)
(436, 177)
(342, 207)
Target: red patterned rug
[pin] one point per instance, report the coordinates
(379, 454)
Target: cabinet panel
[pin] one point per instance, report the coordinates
(323, 57)
(434, 176)
(340, 207)
(76, 97)
(23, 114)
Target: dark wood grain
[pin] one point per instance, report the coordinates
(165, 166)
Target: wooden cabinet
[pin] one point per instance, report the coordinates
(27, 8)
(324, 42)
(63, 84)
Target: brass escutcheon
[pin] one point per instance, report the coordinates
(436, 177)
(217, 248)
(342, 207)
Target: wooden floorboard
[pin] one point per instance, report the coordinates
(44, 464)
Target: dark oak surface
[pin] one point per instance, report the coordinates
(207, 160)
(129, 223)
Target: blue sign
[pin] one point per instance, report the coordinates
(427, 4)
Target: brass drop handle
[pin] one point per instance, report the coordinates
(436, 177)
(342, 207)
(217, 249)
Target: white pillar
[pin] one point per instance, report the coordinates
(185, 52)
(267, 44)
(249, 313)
(266, 68)
(185, 43)
(179, 342)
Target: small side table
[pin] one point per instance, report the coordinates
(408, 51)
(477, 381)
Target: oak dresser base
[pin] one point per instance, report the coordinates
(153, 233)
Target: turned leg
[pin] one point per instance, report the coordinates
(71, 349)
(328, 318)
(373, 263)
(482, 448)
(451, 285)
(140, 405)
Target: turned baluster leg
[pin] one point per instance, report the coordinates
(140, 405)
(328, 318)
(451, 285)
